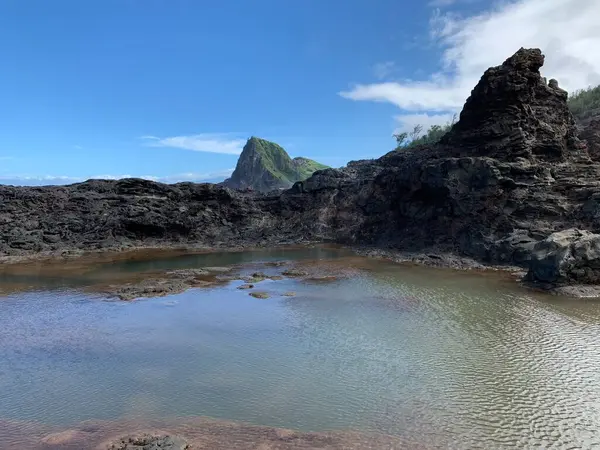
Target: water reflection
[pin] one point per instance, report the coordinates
(435, 356)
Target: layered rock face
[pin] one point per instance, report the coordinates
(591, 135)
(510, 173)
(513, 113)
(124, 213)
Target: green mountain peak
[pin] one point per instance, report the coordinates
(264, 166)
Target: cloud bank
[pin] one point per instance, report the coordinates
(211, 143)
(566, 30)
(27, 180)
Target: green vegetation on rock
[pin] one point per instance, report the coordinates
(585, 102)
(265, 166)
(430, 137)
(306, 167)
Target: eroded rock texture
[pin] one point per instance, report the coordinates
(511, 172)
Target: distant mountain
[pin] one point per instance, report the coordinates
(265, 166)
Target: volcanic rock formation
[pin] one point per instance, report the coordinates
(510, 173)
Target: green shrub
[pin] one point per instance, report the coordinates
(584, 101)
(415, 137)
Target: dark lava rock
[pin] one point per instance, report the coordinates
(294, 273)
(150, 442)
(150, 287)
(569, 256)
(591, 134)
(512, 113)
(188, 273)
(510, 173)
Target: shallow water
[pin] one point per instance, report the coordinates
(443, 358)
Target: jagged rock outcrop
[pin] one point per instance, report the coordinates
(566, 256)
(513, 113)
(591, 135)
(509, 174)
(265, 166)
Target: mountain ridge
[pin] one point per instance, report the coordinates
(265, 166)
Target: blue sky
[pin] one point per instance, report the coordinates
(170, 90)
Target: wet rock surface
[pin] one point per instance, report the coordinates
(148, 288)
(511, 172)
(193, 433)
(150, 442)
(163, 284)
(566, 256)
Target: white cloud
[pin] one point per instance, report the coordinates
(211, 143)
(566, 30)
(441, 3)
(32, 180)
(383, 69)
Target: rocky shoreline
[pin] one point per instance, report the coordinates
(185, 434)
(511, 185)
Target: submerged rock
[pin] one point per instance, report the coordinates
(150, 442)
(151, 287)
(294, 273)
(261, 295)
(188, 273)
(256, 277)
(218, 269)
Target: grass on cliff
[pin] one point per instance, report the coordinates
(276, 160)
(306, 167)
(585, 102)
(416, 137)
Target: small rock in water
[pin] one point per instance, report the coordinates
(149, 288)
(294, 273)
(187, 273)
(259, 275)
(150, 442)
(256, 277)
(246, 286)
(262, 295)
(276, 263)
(289, 294)
(322, 278)
(218, 269)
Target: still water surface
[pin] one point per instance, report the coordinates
(447, 359)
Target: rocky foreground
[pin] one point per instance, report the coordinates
(191, 433)
(513, 183)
